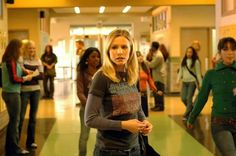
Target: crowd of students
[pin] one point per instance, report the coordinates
(113, 92)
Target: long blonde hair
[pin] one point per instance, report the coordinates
(132, 63)
(26, 44)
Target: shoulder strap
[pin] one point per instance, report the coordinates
(191, 72)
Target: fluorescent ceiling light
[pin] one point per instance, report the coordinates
(77, 10)
(126, 9)
(101, 9)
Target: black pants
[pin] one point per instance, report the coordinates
(48, 88)
(159, 99)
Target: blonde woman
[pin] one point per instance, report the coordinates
(30, 90)
(113, 106)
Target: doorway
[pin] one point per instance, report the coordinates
(204, 36)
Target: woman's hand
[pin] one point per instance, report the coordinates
(147, 129)
(133, 125)
(189, 125)
(158, 92)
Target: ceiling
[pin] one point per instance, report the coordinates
(98, 3)
(83, 10)
(112, 6)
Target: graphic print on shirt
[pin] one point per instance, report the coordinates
(125, 99)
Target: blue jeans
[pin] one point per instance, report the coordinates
(159, 99)
(84, 134)
(33, 98)
(13, 104)
(107, 152)
(225, 138)
(187, 93)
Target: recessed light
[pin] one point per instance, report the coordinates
(126, 9)
(101, 9)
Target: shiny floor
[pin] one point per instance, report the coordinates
(58, 127)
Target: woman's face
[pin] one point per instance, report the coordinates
(228, 54)
(189, 53)
(94, 59)
(31, 50)
(119, 52)
(48, 49)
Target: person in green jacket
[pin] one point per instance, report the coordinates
(222, 82)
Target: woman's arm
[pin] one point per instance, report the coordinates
(80, 88)
(11, 67)
(93, 118)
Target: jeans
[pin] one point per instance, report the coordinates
(48, 91)
(84, 134)
(187, 93)
(13, 104)
(33, 98)
(107, 152)
(225, 138)
(159, 99)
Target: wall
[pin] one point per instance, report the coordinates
(3, 29)
(26, 19)
(189, 16)
(225, 25)
(184, 16)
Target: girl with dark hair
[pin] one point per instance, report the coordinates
(49, 60)
(189, 74)
(89, 63)
(221, 81)
(144, 79)
(12, 77)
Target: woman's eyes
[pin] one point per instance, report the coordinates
(122, 47)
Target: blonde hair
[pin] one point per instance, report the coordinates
(132, 63)
(25, 45)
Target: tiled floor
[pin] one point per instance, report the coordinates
(58, 127)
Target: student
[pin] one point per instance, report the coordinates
(49, 60)
(156, 62)
(145, 80)
(30, 91)
(11, 84)
(222, 82)
(190, 74)
(113, 106)
(88, 65)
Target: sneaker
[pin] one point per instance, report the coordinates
(33, 145)
(22, 152)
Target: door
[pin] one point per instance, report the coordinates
(203, 35)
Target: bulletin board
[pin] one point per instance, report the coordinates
(228, 31)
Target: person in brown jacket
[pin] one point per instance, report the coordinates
(89, 63)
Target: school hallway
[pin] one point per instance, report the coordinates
(58, 127)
